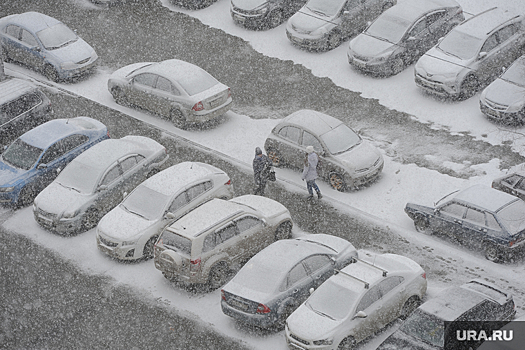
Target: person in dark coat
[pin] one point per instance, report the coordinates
(310, 172)
(261, 171)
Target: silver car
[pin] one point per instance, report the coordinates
(323, 25)
(346, 160)
(472, 54)
(177, 90)
(504, 99)
(263, 14)
(96, 181)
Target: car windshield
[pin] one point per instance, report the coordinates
(56, 36)
(340, 139)
(425, 327)
(79, 176)
(146, 203)
(389, 28)
(516, 73)
(460, 45)
(196, 81)
(512, 216)
(332, 300)
(326, 8)
(21, 155)
(173, 240)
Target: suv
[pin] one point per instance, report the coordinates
(219, 236)
(22, 107)
(426, 329)
(472, 54)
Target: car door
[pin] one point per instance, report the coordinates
(474, 227)
(142, 89)
(133, 173)
(165, 93)
(487, 62)
(437, 26)
(253, 236)
(449, 218)
(320, 267)
(16, 116)
(393, 298)
(109, 191)
(510, 44)
(298, 284)
(417, 38)
(31, 52)
(364, 327)
(227, 242)
(11, 42)
(289, 146)
(353, 17)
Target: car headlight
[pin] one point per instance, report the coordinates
(327, 341)
(70, 214)
(68, 65)
(7, 189)
(263, 9)
(322, 31)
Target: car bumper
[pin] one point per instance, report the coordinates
(259, 320)
(367, 176)
(498, 115)
(310, 43)
(295, 344)
(53, 223)
(207, 115)
(115, 250)
(78, 71)
(248, 20)
(435, 87)
(379, 68)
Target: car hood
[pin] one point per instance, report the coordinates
(436, 62)
(9, 175)
(308, 324)
(56, 199)
(505, 93)
(75, 52)
(360, 157)
(121, 225)
(368, 46)
(307, 21)
(248, 4)
(124, 71)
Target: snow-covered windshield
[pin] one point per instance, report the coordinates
(146, 203)
(78, 176)
(326, 8)
(332, 300)
(516, 73)
(460, 44)
(513, 217)
(56, 36)
(259, 277)
(340, 139)
(21, 155)
(389, 28)
(197, 81)
(173, 240)
(425, 327)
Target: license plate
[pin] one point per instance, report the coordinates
(45, 221)
(360, 64)
(239, 18)
(238, 305)
(297, 40)
(215, 103)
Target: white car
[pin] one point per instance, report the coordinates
(96, 181)
(174, 89)
(129, 231)
(357, 302)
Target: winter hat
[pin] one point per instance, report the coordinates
(258, 151)
(309, 149)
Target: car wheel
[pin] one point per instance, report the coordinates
(275, 18)
(347, 343)
(275, 157)
(284, 231)
(397, 66)
(469, 87)
(492, 252)
(218, 275)
(51, 73)
(26, 196)
(147, 252)
(178, 118)
(337, 182)
(421, 224)
(90, 219)
(333, 40)
(119, 96)
(410, 305)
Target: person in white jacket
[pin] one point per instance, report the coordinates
(310, 172)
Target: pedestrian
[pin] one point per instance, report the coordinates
(310, 172)
(261, 170)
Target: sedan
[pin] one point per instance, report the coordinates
(278, 279)
(513, 183)
(478, 216)
(47, 45)
(402, 34)
(346, 161)
(263, 14)
(323, 25)
(174, 89)
(34, 160)
(504, 99)
(129, 231)
(357, 302)
(472, 54)
(95, 182)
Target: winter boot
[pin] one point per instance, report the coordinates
(319, 195)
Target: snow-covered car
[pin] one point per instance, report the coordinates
(279, 278)
(504, 99)
(425, 329)
(263, 14)
(357, 302)
(174, 89)
(472, 54)
(346, 160)
(209, 242)
(479, 217)
(95, 182)
(401, 34)
(23, 106)
(323, 25)
(513, 183)
(129, 231)
(35, 159)
(47, 45)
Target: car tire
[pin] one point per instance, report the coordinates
(421, 224)
(284, 231)
(90, 219)
(347, 343)
(337, 181)
(410, 306)
(469, 87)
(492, 252)
(275, 18)
(149, 247)
(26, 196)
(275, 157)
(397, 66)
(218, 275)
(178, 118)
(51, 73)
(119, 96)
(333, 40)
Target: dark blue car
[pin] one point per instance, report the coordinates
(33, 160)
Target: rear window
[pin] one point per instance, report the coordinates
(512, 216)
(176, 242)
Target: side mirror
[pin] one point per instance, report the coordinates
(482, 55)
(102, 188)
(436, 211)
(41, 166)
(265, 223)
(346, 12)
(440, 39)
(360, 314)
(169, 215)
(311, 290)
(411, 38)
(125, 194)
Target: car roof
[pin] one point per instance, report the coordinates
(315, 121)
(484, 197)
(173, 68)
(413, 9)
(12, 88)
(34, 21)
(485, 22)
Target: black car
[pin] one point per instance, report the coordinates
(478, 216)
(426, 329)
(513, 184)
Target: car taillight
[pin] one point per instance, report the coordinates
(263, 309)
(198, 107)
(424, 275)
(229, 182)
(511, 243)
(223, 297)
(195, 264)
(229, 93)
(107, 133)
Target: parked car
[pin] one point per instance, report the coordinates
(472, 54)
(193, 4)
(357, 302)
(46, 45)
(279, 278)
(2, 71)
(401, 34)
(504, 99)
(22, 107)
(218, 237)
(34, 159)
(95, 182)
(512, 183)
(347, 161)
(263, 14)
(177, 90)
(129, 231)
(323, 25)
(425, 329)
(478, 216)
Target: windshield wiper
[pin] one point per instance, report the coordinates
(133, 212)
(68, 187)
(319, 312)
(317, 12)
